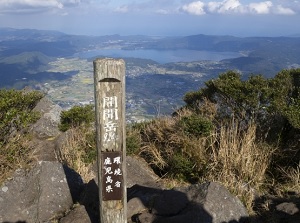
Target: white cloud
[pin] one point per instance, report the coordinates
(31, 3)
(261, 7)
(284, 10)
(194, 8)
(229, 6)
(28, 6)
(235, 6)
(213, 6)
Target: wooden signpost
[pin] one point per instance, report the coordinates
(109, 80)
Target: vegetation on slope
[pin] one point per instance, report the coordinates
(242, 133)
(247, 136)
(15, 114)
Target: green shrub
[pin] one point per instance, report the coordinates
(78, 151)
(182, 167)
(196, 125)
(89, 146)
(16, 114)
(133, 142)
(16, 110)
(76, 116)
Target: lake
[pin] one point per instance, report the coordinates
(161, 56)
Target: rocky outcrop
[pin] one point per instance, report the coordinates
(47, 125)
(46, 192)
(209, 202)
(50, 190)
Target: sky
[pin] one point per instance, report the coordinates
(155, 17)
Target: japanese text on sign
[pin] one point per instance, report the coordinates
(112, 175)
(110, 118)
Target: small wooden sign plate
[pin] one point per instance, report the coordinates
(112, 176)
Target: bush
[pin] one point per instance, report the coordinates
(15, 114)
(76, 116)
(133, 142)
(79, 151)
(16, 110)
(196, 125)
(182, 167)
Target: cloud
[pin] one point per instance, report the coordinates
(284, 11)
(236, 7)
(230, 6)
(165, 7)
(260, 7)
(34, 6)
(194, 8)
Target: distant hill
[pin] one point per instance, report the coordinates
(26, 53)
(21, 34)
(25, 69)
(27, 58)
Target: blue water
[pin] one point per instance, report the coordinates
(161, 56)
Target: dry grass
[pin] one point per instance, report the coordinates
(240, 162)
(155, 148)
(291, 178)
(16, 154)
(75, 150)
(231, 156)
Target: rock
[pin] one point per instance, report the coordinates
(50, 190)
(134, 207)
(40, 195)
(139, 172)
(218, 202)
(287, 208)
(44, 149)
(200, 203)
(169, 203)
(90, 199)
(222, 205)
(288, 211)
(47, 125)
(78, 215)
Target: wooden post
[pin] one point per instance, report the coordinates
(109, 80)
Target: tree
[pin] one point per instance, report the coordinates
(235, 97)
(76, 116)
(267, 102)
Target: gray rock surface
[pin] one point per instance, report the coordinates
(78, 215)
(40, 195)
(47, 125)
(50, 190)
(222, 205)
(200, 203)
(138, 172)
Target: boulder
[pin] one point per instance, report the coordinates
(46, 192)
(150, 202)
(221, 205)
(200, 203)
(47, 125)
(79, 215)
(139, 172)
